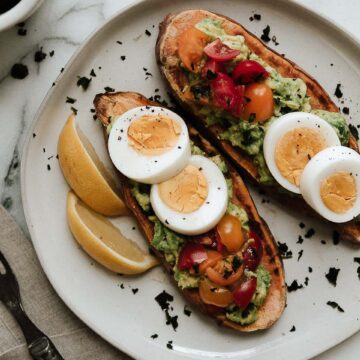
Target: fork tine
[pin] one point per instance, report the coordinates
(5, 263)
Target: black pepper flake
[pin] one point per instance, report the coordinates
(74, 110)
(251, 18)
(83, 81)
(346, 110)
(338, 93)
(48, 167)
(332, 275)
(310, 269)
(301, 225)
(187, 311)
(92, 73)
(154, 336)
(119, 42)
(300, 254)
(70, 100)
(169, 345)
(122, 286)
(293, 328)
(147, 32)
(336, 237)
(166, 222)
(257, 17)
(135, 290)
(19, 71)
(123, 57)
(34, 135)
(335, 305)
(109, 89)
(323, 242)
(39, 56)
(294, 286)
(22, 32)
(309, 233)
(354, 131)
(306, 282)
(284, 250)
(265, 35)
(61, 70)
(133, 228)
(51, 53)
(300, 240)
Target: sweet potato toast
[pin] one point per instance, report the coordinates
(114, 104)
(168, 59)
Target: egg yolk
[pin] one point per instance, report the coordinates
(294, 150)
(153, 134)
(185, 192)
(338, 192)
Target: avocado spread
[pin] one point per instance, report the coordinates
(289, 95)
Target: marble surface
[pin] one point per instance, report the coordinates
(61, 26)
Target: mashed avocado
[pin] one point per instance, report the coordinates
(141, 193)
(240, 213)
(185, 279)
(249, 315)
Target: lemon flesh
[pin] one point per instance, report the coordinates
(104, 242)
(86, 174)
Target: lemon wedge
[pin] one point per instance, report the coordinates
(85, 173)
(104, 242)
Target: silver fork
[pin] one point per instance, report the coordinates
(39, 345)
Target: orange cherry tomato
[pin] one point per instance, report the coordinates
(212, 258)
(191, 45)
(217, 278)
(230, 231)
(259, 101)
(213, 294)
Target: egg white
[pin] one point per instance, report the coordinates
(321, 166)
(210, 212)
(285, 124)
(145, 168)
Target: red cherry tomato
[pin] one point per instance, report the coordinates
(253, 252)
(240, 101)
(249, 71)
(211, 69)
(191, 254)
(224, 91)
(219, 51)
(244, 292)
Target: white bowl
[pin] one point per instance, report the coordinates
(18, 13)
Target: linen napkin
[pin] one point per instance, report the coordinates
(73, 338)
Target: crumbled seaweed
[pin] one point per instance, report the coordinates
(306, 282)
(163, 300)
(300, 240)
(154, 336)
(354, 131)
(7, 203)
(332, 275)
(19, 71)
(39, 56)
(92, 73)
(310, 269)
(187, 311)
(123, 57)
(301, 225)
(169, 345)
(70, 100)
(119, 42)
(171, 320)
(323, 242)
(236, 263)
(338, 93)
(22, 32)
(346, 110)
(83, 81)
(294, 286)
(51, 53)
(300, 254)
(135, 290)
(48, 167)
(147, 32)
(335, 305)
(357, 260)
(109, 89)
(74, 110)
(293, 328)
(265, 35)
(309, 233)
(257, 17)
(284, 250)
(335, 237)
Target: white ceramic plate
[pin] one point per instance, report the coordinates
(127, 320)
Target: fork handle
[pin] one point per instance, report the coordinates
(39, 345)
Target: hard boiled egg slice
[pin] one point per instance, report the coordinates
(149, 144)
(291, 141)
(330, 183)
(193, 201)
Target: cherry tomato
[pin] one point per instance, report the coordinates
(213, 294)
(224, 91)
(230, 231)
(211, 69)
(249, 71)
(218, 51)
(191, 254)
(253, 252)
(260, 102)
(217, 278)
(212, 258)
(244, 292)
(240, 101)
(191, 47)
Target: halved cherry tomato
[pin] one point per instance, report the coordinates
(212, 258)
(211, 69)
(244, 292)
(191, 254)
(224, 91)
(240, 101)
(249, 71)
(213, 294)
(217, 278)
(191, 45)
(260, 102)
(218, 51)
(230, 231)
(253, 252)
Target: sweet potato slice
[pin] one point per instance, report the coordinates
(168, 61)
(108, 105)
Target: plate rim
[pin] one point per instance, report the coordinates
(352, 40)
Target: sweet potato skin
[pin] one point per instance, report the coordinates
(167, 59)
(113, 104)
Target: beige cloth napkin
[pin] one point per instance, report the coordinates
(73, 338)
